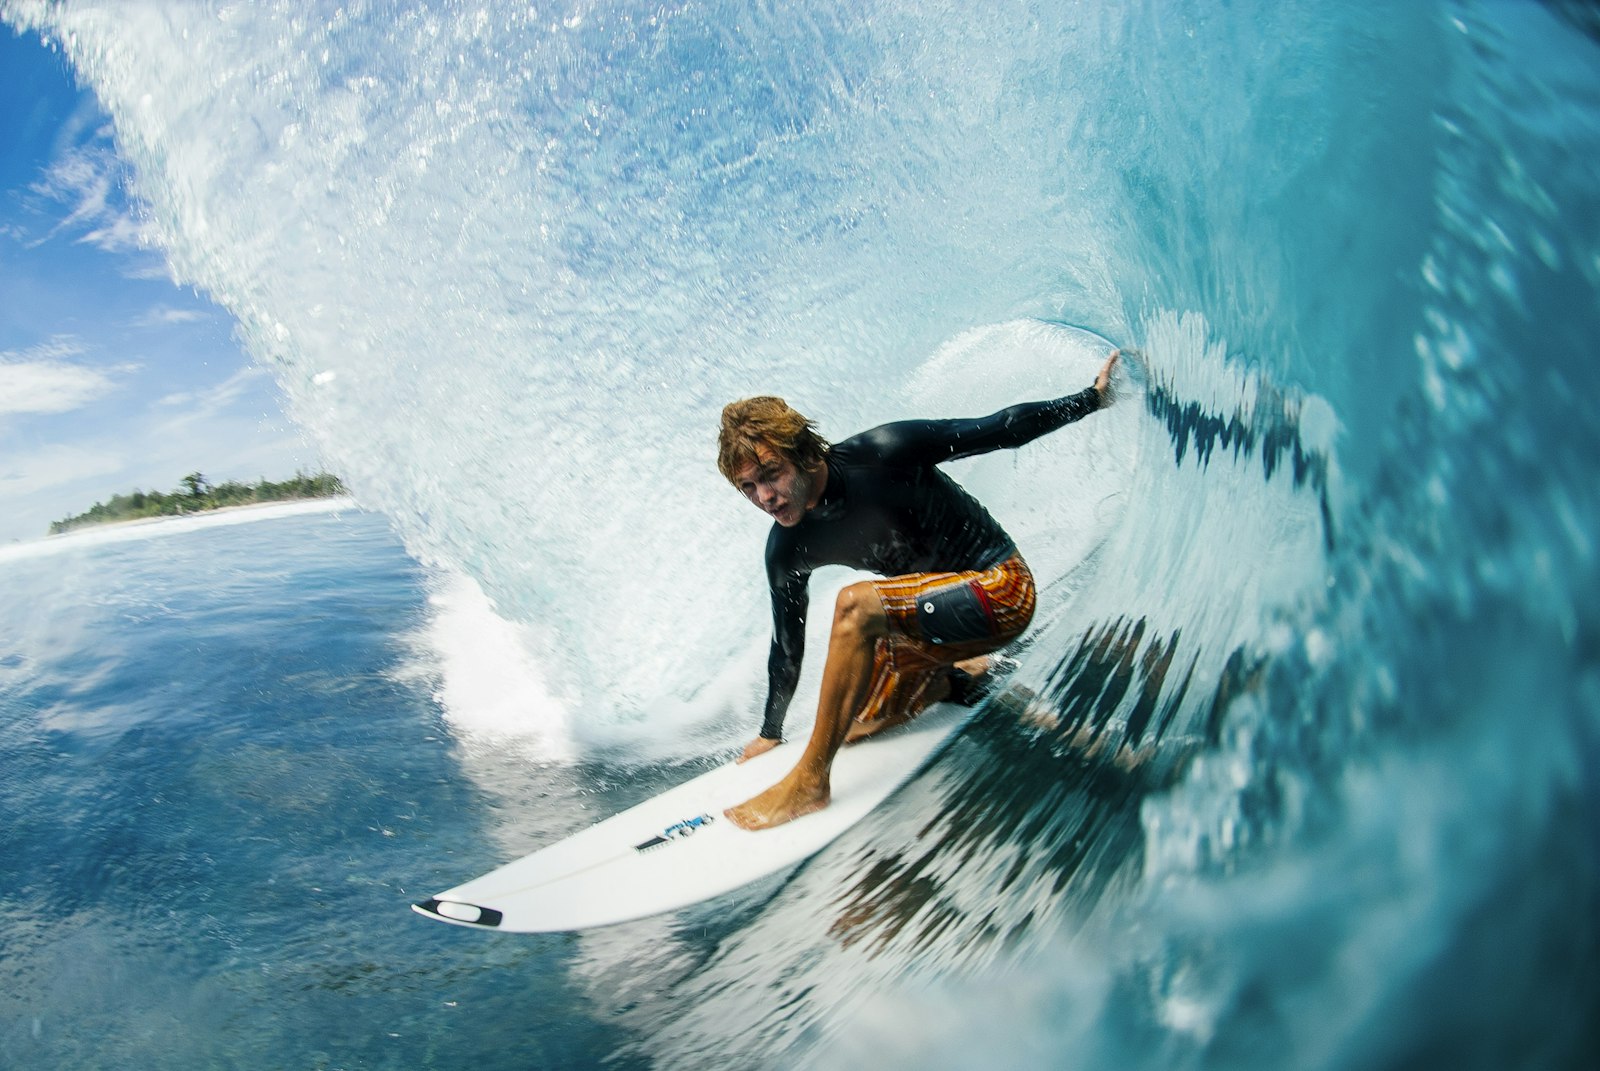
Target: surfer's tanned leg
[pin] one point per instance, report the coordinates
(858, 623)
(915, 696)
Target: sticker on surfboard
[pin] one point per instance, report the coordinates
(676, 831)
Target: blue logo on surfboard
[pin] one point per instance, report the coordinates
(676, 831)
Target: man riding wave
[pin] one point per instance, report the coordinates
(955, 588)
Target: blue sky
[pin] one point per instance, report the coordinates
(111, 377)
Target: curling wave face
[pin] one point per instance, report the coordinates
(1314, 614)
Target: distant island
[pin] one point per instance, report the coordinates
(197, 495)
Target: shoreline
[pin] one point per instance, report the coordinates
(85, 529)
(153, 527)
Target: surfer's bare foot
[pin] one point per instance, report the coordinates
(976, 666)
(785, 801)
(759, 746)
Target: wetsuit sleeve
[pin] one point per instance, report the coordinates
(789, 601)
(930, 442)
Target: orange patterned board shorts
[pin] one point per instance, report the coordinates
(935, 621)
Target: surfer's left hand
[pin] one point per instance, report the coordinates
(1102, 382)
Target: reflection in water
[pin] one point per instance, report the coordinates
(1049, 818)
(1274, 430)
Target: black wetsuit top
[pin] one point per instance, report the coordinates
(886, 508)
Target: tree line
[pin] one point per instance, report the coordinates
(196, 494)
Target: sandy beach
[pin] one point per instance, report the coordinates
(153, 527)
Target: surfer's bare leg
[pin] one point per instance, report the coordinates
(915, 696)
(912, 698)
(859, 622)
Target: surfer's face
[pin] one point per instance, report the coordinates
(778, 487)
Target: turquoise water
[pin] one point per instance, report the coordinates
(1299, 767)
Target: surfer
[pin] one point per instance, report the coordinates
(955, 589)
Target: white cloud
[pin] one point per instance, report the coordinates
(60, 347)
(167, 316)
(148, 269)
(87, 178)
(56, 466)
(40, 380)
(202, 404)
(117, 233)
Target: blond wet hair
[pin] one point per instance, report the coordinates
(748, 423)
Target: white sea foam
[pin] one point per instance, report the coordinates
(522, 376)
(491, 676)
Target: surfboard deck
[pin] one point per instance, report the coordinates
(678, 849)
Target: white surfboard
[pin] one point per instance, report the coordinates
(678, 849)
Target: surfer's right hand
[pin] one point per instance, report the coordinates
(759, 746)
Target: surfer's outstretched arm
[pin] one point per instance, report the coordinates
(932, 442)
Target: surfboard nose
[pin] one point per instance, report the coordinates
(458, 912)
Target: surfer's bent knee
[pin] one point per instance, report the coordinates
(858, 609)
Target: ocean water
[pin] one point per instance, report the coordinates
(1298, 767)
